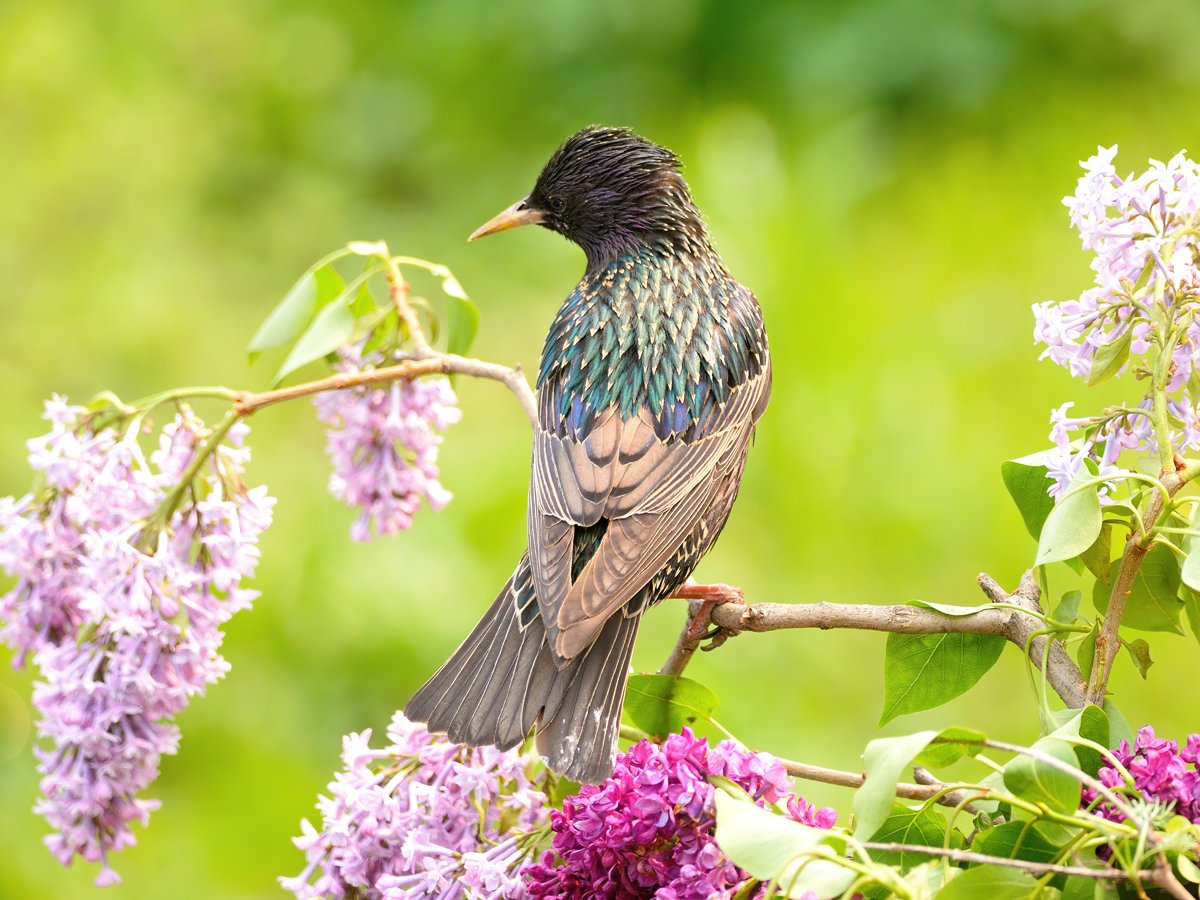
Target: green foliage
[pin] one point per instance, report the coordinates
(1153, 603)
(1073, 526)
(1039, 781)
(921, 671)
(1028, 484)
(993, 883)
(662, 704)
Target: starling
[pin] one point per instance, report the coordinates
(652, 377)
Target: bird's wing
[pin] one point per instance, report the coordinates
(652, 492)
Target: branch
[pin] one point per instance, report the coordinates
(1108, 641)
(1033, 868)
(426, 362)
(933, 790)
(1011, 624)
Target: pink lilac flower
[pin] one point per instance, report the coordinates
(383, 443)
(1160, 772)
(121, 612)
(421, 817)
(648, 830)
(1142, 232)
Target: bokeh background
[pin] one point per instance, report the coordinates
(886, 176)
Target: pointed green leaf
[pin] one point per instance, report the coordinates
(1085, 653)
(912, 826)
(921, 671)
(1098, 557)
(1153, 603)
(1040, 782)
(1067, 610)
(1091, 723)
(1191, 604)
(330, 329)
(462, 322)
(1110, 358)
(289, 318)
(769, 846)
(1029, 486)
(663, 704)
(994, 883)
(1139, 650)
(1016, 840)
(951, 745)
(1074, 524)
(883, 761)
(1191, 563)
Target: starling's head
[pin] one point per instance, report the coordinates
(608, 190)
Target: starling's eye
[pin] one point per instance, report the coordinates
(557, 204)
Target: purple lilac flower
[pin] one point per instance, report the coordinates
(1160, 772)
(383, 443)
(648, 831)
(1142, 231)
(421, 817)
(120, 612)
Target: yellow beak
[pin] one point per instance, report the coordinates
(515, 216)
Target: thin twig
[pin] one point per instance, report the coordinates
(936, 790)
(1033, 868)
(430, 363)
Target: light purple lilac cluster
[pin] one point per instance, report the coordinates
(1142, 230)
(383, 443)
(421, 817)
(120, 610)
(1160, 771)
(648, 830)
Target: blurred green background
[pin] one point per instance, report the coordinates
(885, 176)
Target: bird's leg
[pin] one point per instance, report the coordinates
(709, 595)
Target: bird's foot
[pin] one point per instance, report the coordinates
(710, 596)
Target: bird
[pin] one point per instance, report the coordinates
(653, 375)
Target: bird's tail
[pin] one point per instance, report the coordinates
(502, 681)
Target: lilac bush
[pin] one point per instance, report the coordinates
(1162, 773)
(119, 599)
(383, 443)
(1142, 232)
(648, 830)
(421, 817)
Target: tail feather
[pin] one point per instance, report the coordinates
(502, 681)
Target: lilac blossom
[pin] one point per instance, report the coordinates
(383, 443)
(421, 817)
(120, 607)
(648, 830)
(1142, 232)
(1160, 772)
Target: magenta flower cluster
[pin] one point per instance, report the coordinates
(383, 443)
(648, 830)
(1142, 231)
(121, 608)
(1161, 772)
(421, 817)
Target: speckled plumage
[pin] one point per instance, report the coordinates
(653, 374)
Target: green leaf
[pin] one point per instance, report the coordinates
(1085, 653)
(1028, 485)
(1074, 524)
(1067, 610)
(921, 671)
(1191, 604)
(1091, 723)
(1187, 869)
(912, 826)
(768, 846)
(1039, 782)
(1119, 728)
(1110, 358)
(1139, 650)
(290, 317)
(1153, 603)
(331, 328)
(462, 321)
(1098, 557)
(883, 761)
(1016, 840)
(951, 745)
(992, 882)
(285, 323)
(1077, 888)
(663, 704)
(1191, 563)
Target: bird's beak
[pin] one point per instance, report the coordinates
(520, 213)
